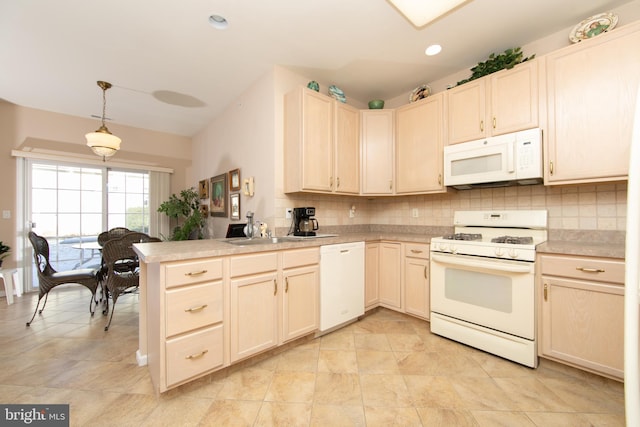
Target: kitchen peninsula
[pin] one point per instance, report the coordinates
(239, 300)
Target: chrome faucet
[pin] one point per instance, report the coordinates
(250, 225)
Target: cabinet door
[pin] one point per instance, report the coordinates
(466, 105)
(371, 266)
(347, 149)
(300, 302)
(377, 151)
(591, 89)
(389, 275)
(582, 323)
(308, 151)
(514, 98)
(416, 287)
(419, 141)
(254, 315)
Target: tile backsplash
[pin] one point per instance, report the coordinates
(599, 207)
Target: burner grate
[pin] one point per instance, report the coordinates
(463, 236)
(513, 240)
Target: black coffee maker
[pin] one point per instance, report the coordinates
(303, 222)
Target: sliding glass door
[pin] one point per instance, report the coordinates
(70, 205)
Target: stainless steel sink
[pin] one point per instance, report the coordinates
(260, 241)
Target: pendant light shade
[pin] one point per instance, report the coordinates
(102, 142)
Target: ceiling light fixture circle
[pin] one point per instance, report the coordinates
(218, 22)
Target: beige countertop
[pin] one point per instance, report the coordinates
(562, 247)
(190, 249)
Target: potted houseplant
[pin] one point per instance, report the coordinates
(4, 251)
(185, 210)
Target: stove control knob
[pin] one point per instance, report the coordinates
(499, 252)
(454, 250)
(513, 253)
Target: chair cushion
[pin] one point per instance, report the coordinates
(71, 275)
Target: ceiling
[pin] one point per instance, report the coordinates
(159, 53)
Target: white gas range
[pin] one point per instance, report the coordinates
(482, 281)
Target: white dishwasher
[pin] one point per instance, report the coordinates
(341, 284)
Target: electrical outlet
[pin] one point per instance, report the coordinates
(415, 213)
(352, 213)
(6, 214)
(288, 213)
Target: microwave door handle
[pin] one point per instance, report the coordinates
(484, 264)
(510, 159)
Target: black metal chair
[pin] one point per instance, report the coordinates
(122, 268)
(49, 278)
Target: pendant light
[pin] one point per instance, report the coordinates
(103, 142)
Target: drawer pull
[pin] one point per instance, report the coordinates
(590, 270)
(416, 251)
(195, 273)
(545, 291)
(197, 356)
(286, 285)
(191, 310)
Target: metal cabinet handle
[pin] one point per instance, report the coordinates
(195, 273)
(338, 182)
(494, 122)
(439, 179)
(286, 284)
(194, 309)
(590, 270)
(416, 251)
(550, 168)
(546, 287)
(425, 271)
(197, 356)
(481, 125)
(275, 286)
(390, 185)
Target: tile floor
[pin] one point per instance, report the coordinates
(385, 370)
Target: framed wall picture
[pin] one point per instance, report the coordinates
(203, 188)
(204, 209)
(234, 202)
(218, 191)
(234, 180)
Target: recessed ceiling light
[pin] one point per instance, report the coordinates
(218, 22)
(434, 49)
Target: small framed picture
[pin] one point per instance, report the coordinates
(204, 209)
(234, 202)
(218, 191)
(234, 180)
(204, 189)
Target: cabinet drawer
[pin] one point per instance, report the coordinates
(300, 257)
(193, 307)
(194, 354)
(184, 273)
(254, 264)
(585, 268)
(416, 250)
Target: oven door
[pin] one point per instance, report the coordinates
(497, 294)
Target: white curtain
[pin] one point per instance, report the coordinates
(159, 191)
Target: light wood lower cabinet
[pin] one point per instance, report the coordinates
(389, 275)
(371, 279)
(185, 320)
(416, 279)
(274, 299)
(581, 312)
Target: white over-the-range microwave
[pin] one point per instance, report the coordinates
(514, 158)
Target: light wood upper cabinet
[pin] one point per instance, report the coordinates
(590, 89)
(502, 102)
(377, 151)
(419, 146)
(581, 312)
(321, 150)
(347, 149)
